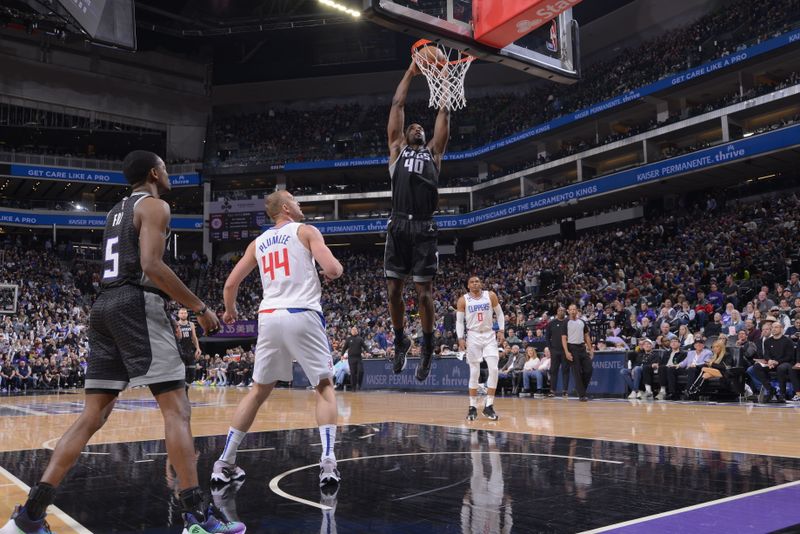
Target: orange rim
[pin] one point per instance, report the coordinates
(422, 43)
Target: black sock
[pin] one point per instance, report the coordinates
(398, 335)
(192, 502)
(427, 342)
(40, 497)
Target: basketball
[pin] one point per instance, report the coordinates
(430, 54)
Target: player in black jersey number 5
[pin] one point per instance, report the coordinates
(132, 343)
(411, 236)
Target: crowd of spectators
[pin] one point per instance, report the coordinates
(705, 266)
(44, 345)
(699, 269)
(347, 131)
(233, 369)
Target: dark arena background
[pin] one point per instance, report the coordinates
(637, 159)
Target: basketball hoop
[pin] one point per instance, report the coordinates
(445, 69)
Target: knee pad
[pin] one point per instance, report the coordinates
(474, 373)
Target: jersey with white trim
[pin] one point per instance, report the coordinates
(288, 270)
(415, 183)
(121, 256)
(479, 313)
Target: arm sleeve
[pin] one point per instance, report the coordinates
(460, 324)
(501, 319)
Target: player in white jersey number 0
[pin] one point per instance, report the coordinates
(476, 307)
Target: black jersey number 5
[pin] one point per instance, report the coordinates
(112, 256)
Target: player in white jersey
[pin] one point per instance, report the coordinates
(290, 327)
(476, 307)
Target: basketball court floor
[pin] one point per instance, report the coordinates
(411, 463)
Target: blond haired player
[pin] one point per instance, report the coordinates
(290, 326)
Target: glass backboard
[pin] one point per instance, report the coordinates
(550, 51)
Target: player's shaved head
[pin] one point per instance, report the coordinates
(275, 202)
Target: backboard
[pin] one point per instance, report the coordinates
(550, 51)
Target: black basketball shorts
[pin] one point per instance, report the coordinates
(411, 249)
(186, 351)
(131, 341)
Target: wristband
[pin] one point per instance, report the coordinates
(202, 311)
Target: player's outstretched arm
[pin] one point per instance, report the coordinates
(441, 135)
(243, 267)
(312, 238)
(397, 117)
(153, 215)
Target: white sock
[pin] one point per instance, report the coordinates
(489, 400)
(473, 401)
(235, 437)
(327, 434)
(648, 388)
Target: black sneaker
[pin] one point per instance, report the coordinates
(488, 411)
(424, 367)
(472, 414)
(400, 351)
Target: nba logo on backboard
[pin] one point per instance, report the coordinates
(552, 44)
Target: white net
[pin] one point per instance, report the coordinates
(445, 69)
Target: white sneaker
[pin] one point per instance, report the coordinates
(224, 472)
(328, 474)
(632, 395)
(648, 394)
(748, 391)
(662, 394)
(638, 394)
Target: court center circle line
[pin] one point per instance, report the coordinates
(274, 483)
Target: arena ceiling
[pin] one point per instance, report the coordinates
(261, 40)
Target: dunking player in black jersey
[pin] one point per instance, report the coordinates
(132, 342)
(411, 244)
(188, 344)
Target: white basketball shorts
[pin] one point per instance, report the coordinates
(480, 346)
(291, 334)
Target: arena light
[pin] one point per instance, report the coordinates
(341, 7)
